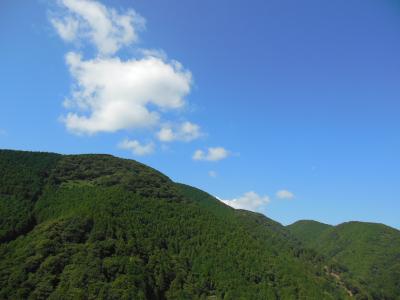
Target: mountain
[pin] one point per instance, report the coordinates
(370, 252)
(101, 227)
(308, 231)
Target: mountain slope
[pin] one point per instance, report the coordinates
(100, 227)
(22, 176)
(307, 230)
(369, 251)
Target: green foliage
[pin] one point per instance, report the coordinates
(370, 252)
(107, 228)
(22, 175)
(108, 171)
(308, 231)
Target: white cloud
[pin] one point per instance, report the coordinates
(186, 132)
(3, 132)
(212, 154)
(284, 194)
(111, 94)
(136, 147)
(166, 134)
(212, 174)
(67, 28)
(104, 27)
(159, 53)
(249, 201)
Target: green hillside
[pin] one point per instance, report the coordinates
(307, 230)
(371, 252)
(100, 227)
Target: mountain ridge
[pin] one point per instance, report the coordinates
(110, 228)
(370, 251)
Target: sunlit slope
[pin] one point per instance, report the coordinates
(308, 231)
(101, 227)
(371, 252)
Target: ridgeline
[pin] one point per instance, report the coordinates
(101, 227)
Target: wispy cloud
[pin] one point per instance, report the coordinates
(136, 147)
(249, 201)
(212, 154)
(185, 132)
(212, 174)
(106, 28)
(284, 194)
(254, 202)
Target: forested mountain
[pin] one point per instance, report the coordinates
(368, 251)
(307, 230)
(100, 227)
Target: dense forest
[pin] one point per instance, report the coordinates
(101, 227)
(371, 252)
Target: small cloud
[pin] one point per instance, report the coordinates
(67, 28)
(249, 201)
(166, 134)
(284, 194)
(212, 154)
(136, 147)
(157, 53)
(212, 174)
(185, 132)
(3, 132)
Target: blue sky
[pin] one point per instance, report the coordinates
(297, 97)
